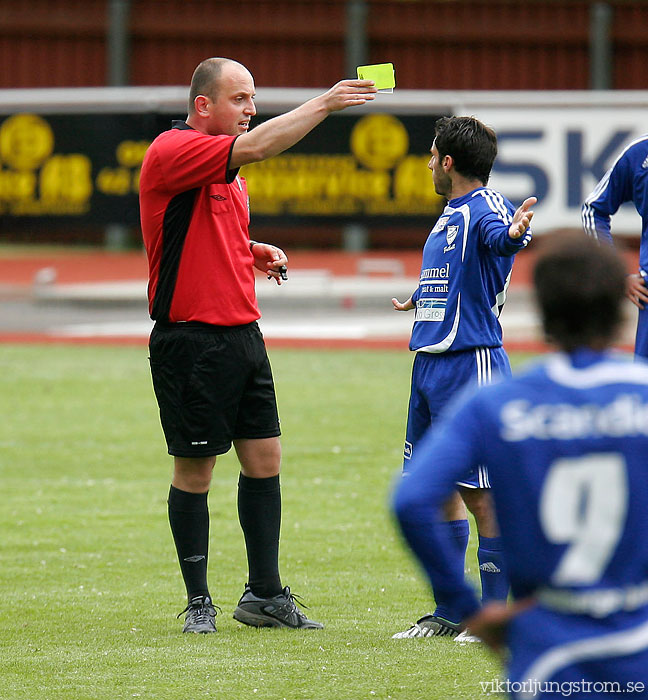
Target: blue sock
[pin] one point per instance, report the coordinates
(458, 533)
(492, 570)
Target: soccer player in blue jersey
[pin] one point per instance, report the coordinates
(566, 446)
(625, 181)
(457, 337)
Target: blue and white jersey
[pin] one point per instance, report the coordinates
(566, 447)
(466, 269)
(625, 181)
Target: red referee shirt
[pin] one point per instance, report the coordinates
(195, 217)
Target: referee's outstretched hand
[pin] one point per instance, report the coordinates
(522, 218)
(348, 93)
(270, 259)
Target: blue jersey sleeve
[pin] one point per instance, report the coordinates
(444, 456)
(495, 236)
(612, 191)
(494, 216)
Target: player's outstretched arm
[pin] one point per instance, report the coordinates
(522, 218)
(403, 306)
(276, 135)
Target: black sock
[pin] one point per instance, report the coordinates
(189, 520)
(259, 509)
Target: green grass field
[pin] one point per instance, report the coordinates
(89, 580)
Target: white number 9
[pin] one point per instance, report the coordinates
(584, 502)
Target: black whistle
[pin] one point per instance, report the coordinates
(283, 273)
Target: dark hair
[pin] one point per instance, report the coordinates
(205, 79)
(579, 285)
(472, 145)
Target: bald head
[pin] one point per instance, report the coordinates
(207, 78)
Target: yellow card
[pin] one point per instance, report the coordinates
(381, 73)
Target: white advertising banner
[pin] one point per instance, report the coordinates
(558, 155)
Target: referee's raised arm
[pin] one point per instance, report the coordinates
(276, 135)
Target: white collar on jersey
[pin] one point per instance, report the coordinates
(612, 368)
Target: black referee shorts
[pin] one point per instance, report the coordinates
(213, 384)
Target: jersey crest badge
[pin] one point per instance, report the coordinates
(451, 234)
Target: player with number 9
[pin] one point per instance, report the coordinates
(566, 444)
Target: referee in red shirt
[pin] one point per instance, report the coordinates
(210, 370)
